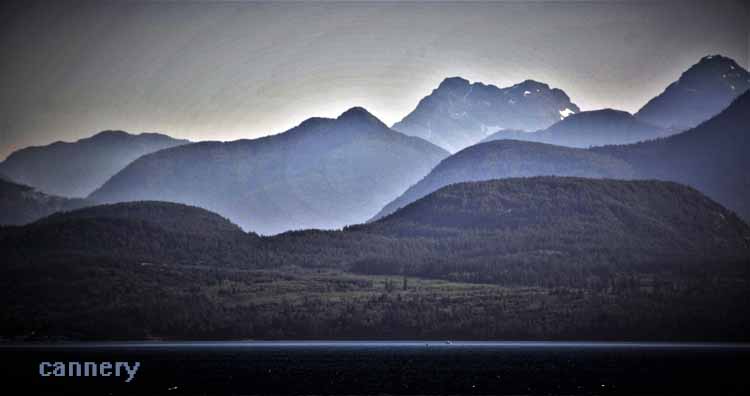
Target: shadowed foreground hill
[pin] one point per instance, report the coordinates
(76, 169)
(524, 258)
(150, 232)
(496, 230)
(509, 158)
(324, 173)
(21, 204)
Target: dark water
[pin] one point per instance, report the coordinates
(516, 368)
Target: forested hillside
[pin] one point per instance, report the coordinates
(527, 258)
(509, 158)
(712, 157)
(23, 204)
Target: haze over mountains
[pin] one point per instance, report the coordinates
(152, 269)
(711, 157)
(331, 173)
(701, 92)
(76, 169)
(505, 239)
(22, 204)
(590, 128)
(324, 173)
(511, 158)
(458, 113)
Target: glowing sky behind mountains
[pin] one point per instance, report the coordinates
(231, 70)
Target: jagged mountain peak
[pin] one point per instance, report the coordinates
(459, 113)
(715, 69)
(701, 92)
(716, 59)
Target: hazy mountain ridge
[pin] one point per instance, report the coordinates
(75, 169)
(324, 173)
(590, 128)
(700, 93)
(23, 204)
(508, 158)
(458, 113)
(582, 248)
(711, 157)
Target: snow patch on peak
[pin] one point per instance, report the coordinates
(565, 113)
(527, 93)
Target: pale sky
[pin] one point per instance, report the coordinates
(232, 70)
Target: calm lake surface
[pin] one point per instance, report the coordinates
(407, 367)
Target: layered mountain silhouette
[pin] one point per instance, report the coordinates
(534, 217)
(710, 157)
(22, 204)
(530, 235)
(510, 158)
(76, 169)
(140, 269)
(590, 128)
(700, 93)
(137, 232)
(458, 113)
(713, 157)
(324, 173)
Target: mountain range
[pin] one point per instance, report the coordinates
(324, 173)
(710, 157)
(590, 128)
(510, 158)
(78, 168)
(458, 113)
(23, 204)
(328, 173)
(700, 93)
(575, 249)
